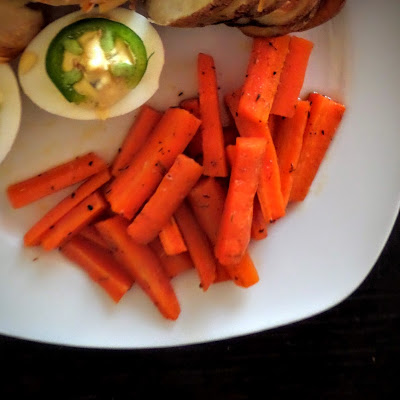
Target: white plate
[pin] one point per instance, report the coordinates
(313, 258)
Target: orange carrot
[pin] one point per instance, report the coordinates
(269, 190)
(142, 126)
(73, 221)
(325, 117)
(171, 238)
(93, 235)
(195, 148)
(235, 228)
(161, 206)
(230, 135)
(99, 264)
(172, 264)
(214, 161)
(259, 223)
(288, 143)
(34, 235)
(48, 182)
(129, 190)
(263, 74)
(142, 264)
(207, 201)
(273, 121)
(198, 245)
(292, 77)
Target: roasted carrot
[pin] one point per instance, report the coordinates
(99, 264)
(35, 233)
(264, 69)
(207, 201)
(161, 206)
(214, 161)
(129, 190)
(73, 221)
(142, 264)
(195, 148)
(269, 190)
(140, 130)
(52, 180)
(172, 264)
(230, 134)
(288, 143)
(273, 121)
(171, 238)
(235, 227)
(93, 235)
(325, 117)
(292, 77)
(199, 247)
(259, 223)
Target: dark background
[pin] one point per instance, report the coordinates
(349, 352)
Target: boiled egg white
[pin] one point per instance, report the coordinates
(37, 85)
(10, 109)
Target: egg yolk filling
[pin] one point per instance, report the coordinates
(95, 62)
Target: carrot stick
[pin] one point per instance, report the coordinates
(172, 264)
(263, 74)
(129, 190)
(259, 223)
(142, 126)
(36, 232)
(325, 117)
(273, 121)
(207, 201)
(171, 238)
(198, 245)
(195, 148)
(213, 139)
(288, 143)
(73, 221)
(99, 264)
(292, 77)
(269, 189)
(161, 206)
(230, 135)
(142, 264)
(235, 228)
(48, 182)
(93, 235)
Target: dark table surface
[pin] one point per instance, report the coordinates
(349, 352)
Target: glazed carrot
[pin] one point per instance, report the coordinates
(292, 77)
(36, 232)
(129, 190)
(140, 130)
(142, 264)
(198, 245)
(75, 220)
(263, 74)
(259, 223)
(172, 264)
(171, 238)
(207, 201)
(269, 190)
(170, 193)
(99, 264)
(325, 117)
(214, 161)
(288, 143)
(48, 182)
(93, 235)
(235, 227)
(195, 147)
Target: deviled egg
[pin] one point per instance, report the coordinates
(10, 109)
(90, 66)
